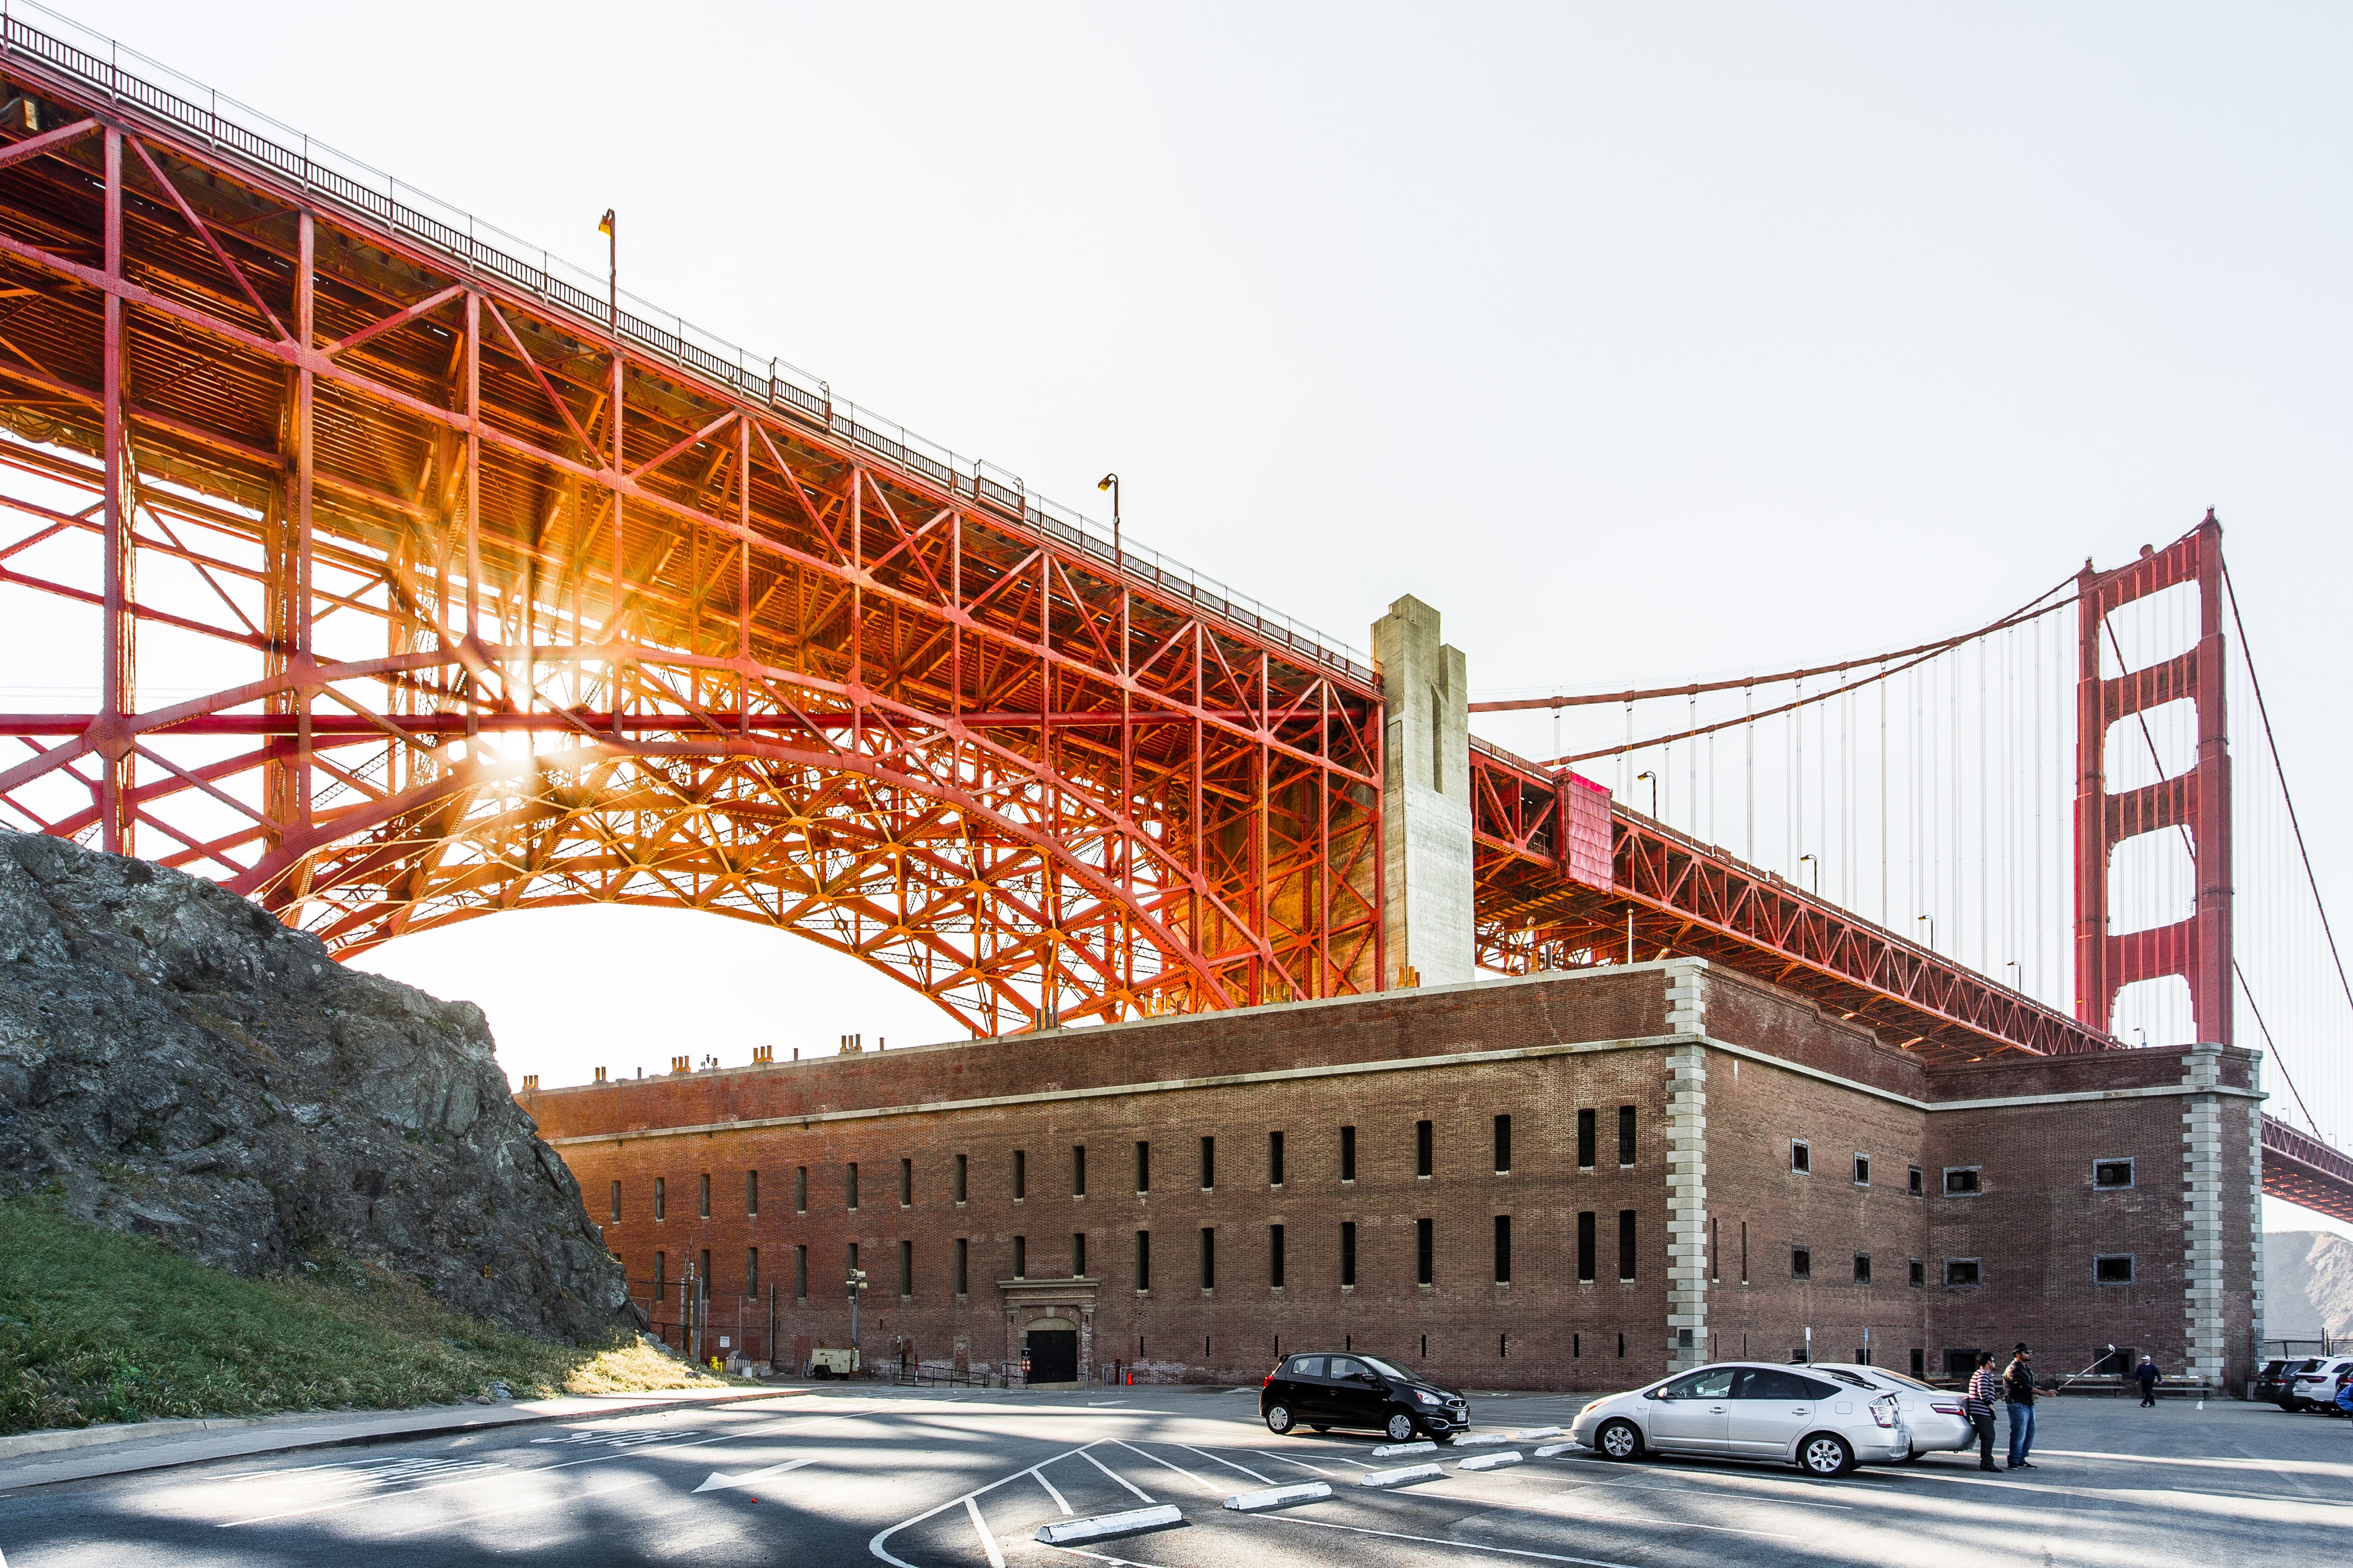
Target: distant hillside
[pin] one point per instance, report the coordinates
(2307, 1285)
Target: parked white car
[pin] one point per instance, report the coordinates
(2315, 1388)
(1750, 1410)
(1934, 1417)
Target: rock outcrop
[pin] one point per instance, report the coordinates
(2307, 1285)
(179, 1063)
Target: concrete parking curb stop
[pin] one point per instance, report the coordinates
(1550, 1450)
(1491, 1461)
(1530, 1434)
(1480, 1439)
(1402, 1477)
(1391, 1450)
(1279, 1497)
(1065, 1530)
(200, 1441)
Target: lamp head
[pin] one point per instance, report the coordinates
(1106, 481)
(605, 224)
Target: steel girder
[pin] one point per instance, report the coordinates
(1684, 897)
(516, 612)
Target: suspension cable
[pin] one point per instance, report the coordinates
(2026, 612)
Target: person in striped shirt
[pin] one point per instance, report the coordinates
(1984, 1388)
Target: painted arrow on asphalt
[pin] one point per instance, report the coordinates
(721, 1481)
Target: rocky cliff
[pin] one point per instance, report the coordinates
(178, 1063)
(2307, 1285)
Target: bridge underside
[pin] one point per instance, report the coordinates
(418, 584)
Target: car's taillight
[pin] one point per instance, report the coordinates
(1884, 1412)
(1269, 1378)
(1942, 1408)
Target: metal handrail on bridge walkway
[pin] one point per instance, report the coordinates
(250, 136)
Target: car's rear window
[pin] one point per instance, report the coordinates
(1856, 1379)
(1303, 1367)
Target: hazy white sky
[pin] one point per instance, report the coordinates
(1644, 342)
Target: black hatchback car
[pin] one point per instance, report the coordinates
(1327, 1391)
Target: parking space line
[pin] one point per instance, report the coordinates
(1554, 1511)
(1701, 1491)
(1205, 1483)
(875, 1546)
(1039, 1476)
(1115, 1475)
(1245, 1470)
(1434, 1541)
(1284, 1458)
(987, 1542)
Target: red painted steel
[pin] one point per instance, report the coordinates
(2196, 802)
(516, 611)
(2304, 1170)
(535, 603)
(1687, 898)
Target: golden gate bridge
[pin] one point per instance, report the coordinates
(478, 584)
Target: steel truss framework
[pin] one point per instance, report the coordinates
(524, 607)
(522, 614)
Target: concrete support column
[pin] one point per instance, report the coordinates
(2201, 1217)
(1686, 1167)
(1427, 928)
(2255, 1224)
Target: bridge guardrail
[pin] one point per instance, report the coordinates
(238, 129)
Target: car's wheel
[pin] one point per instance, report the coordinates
(1400, 1426)
(1278, 1419)
(1618, 1440)
(1825, 1454)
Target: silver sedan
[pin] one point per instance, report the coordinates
(1934, 1417)
(1750, 1410)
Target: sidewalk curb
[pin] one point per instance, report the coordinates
(485, 1421)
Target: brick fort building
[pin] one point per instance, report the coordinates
(1573, 1180)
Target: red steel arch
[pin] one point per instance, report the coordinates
(479, 594)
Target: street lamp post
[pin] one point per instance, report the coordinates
(1111, 483)
(1932, 931)
(610, 228)
(1818, 871)
(856, 1283)
(1647, 773)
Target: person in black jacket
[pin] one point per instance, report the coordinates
(2018, 1393)
(2146, 1375)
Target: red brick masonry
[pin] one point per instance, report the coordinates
(1715, 1237)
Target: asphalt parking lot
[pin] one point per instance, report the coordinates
(935, 1478)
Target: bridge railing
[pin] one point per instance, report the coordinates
(236, 130)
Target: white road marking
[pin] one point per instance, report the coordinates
(620, 1484)
(1315, 1469)
(1099, 1404)
(1433, 1540)
(875, 1546)
(721, 1482)
(1051, 1492)
(1244, 1469)
(987, 1542)
(504, 1472)
(1538, 1505)
(1115, 1475)
(1202, 1481)
(1717, 1496)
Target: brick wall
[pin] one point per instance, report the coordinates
(1757, 1069)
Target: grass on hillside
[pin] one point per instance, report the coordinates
(96, 1325)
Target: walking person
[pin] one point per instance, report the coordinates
(2146, 1375)
(2018, 1393)
(1985, 1387)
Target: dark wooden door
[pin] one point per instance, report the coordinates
(1053, 1355)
